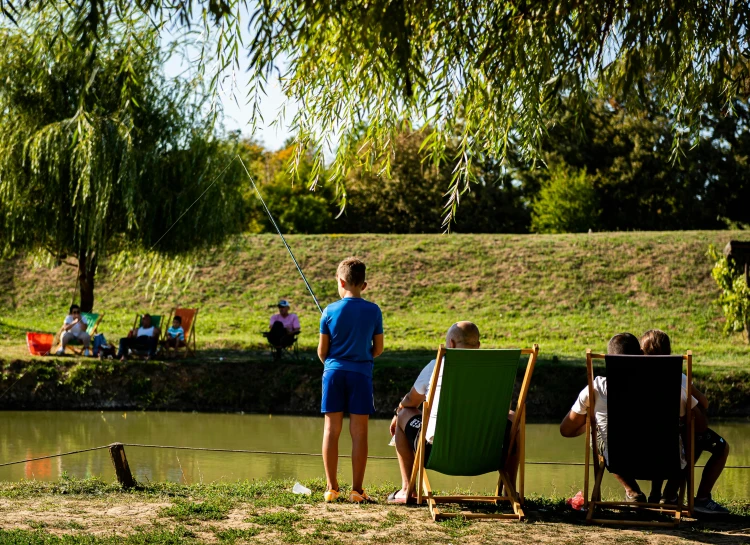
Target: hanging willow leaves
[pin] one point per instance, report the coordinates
(99, 151)
(484, 76)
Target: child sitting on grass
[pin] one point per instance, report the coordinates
(656, 343)
(351, 336)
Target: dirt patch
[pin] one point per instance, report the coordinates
(340, 523)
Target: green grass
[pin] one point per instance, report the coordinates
(566, 292)
(261, 512)
(211, 509)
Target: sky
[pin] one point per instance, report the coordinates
(237, 114)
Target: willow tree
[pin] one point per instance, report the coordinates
(99, 151)
(486, 76)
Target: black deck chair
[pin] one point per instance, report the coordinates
(645, 447)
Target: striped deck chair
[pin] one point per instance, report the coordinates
(74, 345)
(475, 396)
(641, 448)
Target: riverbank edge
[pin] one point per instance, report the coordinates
(258, 385)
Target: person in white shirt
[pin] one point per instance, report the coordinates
(145, 337)
(407, 422)
(574, 424)
(74, 327)
(284, 326)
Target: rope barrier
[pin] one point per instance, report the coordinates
(53, 456)
(271, 453)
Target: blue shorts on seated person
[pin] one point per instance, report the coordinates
(347, 391)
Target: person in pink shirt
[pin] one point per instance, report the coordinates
(284, 327)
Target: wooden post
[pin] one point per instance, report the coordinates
(122, 469)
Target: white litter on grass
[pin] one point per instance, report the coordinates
(299, 489)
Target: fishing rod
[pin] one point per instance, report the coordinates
(281, 235)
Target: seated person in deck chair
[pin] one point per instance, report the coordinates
(407, 423)
(656, 343)
(175, 334)
(574, 424)
(74, 327)
(143, 338)
(284, 326)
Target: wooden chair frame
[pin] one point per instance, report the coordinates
(598, 462)
(74, 348)
(188, 349)
(420, 483)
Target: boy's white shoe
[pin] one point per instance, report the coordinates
(60, 352)
(87, 353)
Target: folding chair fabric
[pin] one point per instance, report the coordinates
(187, 315)
(474, 398)
(643, 448)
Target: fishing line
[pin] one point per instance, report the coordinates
(282, 236)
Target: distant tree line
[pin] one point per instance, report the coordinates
(615, 168)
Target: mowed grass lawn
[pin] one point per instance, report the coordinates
(565, 292)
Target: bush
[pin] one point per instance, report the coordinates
(567, 202)
(735, 294)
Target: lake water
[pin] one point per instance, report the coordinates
(28, 434)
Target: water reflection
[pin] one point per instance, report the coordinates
(33, 434)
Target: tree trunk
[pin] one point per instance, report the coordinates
(86, 272)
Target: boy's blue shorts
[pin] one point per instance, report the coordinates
(348, 392)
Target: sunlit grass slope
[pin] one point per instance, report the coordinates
(566, 292)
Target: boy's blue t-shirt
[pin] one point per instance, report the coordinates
(351, 323)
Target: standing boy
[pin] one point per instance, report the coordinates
(351, 337)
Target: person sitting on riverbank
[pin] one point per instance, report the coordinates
(74, 327)
(175, 334)
(657, 343)
(574, 424)
(284, 326)
(145, 338)
(406, 425)
(351, 337)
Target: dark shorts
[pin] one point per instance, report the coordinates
(347, 392)
(709, 441)
(414, 426)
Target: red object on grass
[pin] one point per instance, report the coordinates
(39, 343)
(576, 502)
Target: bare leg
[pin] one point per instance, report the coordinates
(405, 449)
(331, 433)
(358, 430)
(630, 485)
(712, 471)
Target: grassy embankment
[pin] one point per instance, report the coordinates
(566, 292)
(92, 512)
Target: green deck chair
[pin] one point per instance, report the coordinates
(475, 395)
(73, 345)
(156, 320)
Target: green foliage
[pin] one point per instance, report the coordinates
(487, 75)
(411, 198)
(735, 294)
(210, 509)
(295, 208)
(567, 202)
(99, 151)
